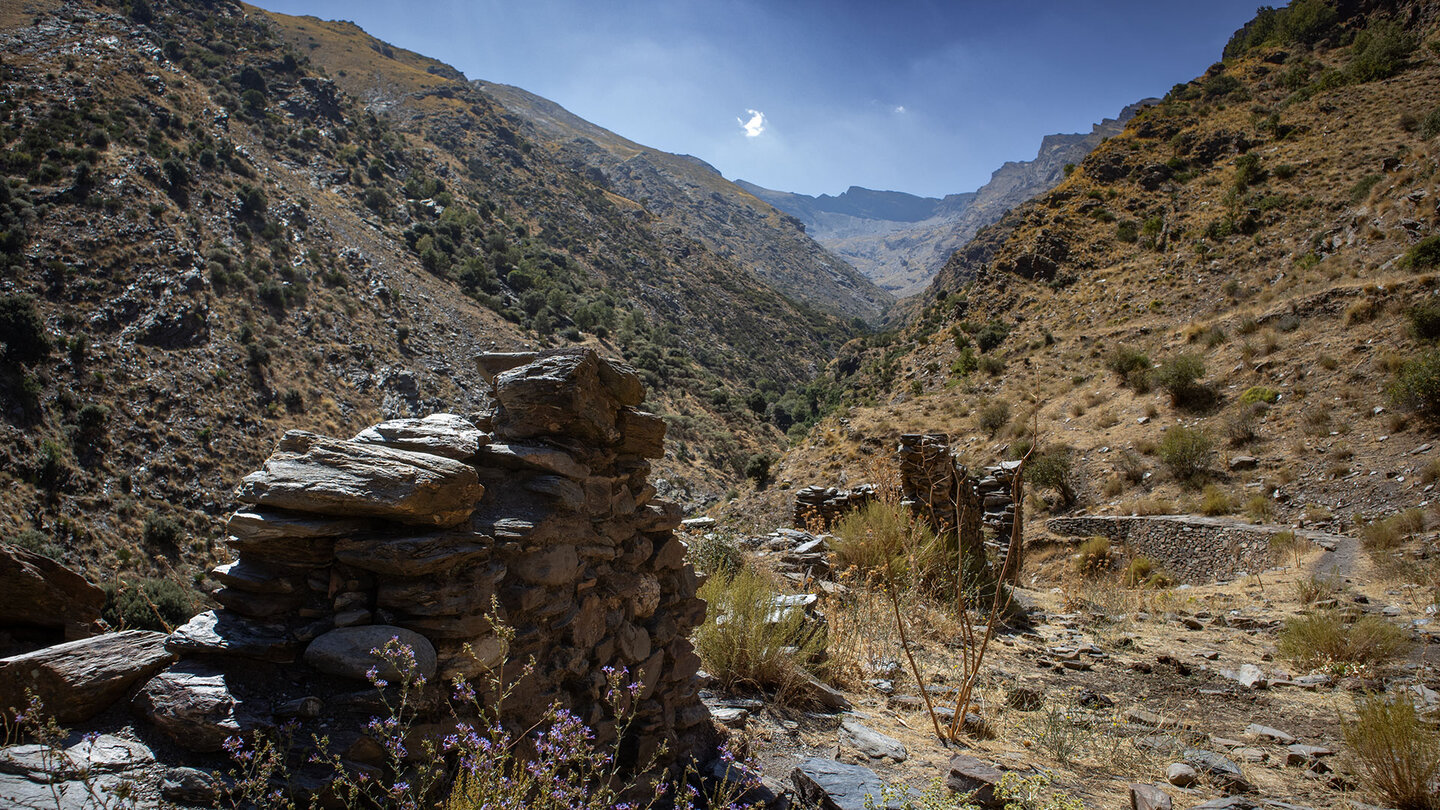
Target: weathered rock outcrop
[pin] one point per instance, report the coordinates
(38, 592)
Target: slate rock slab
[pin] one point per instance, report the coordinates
(312, 473)
(869, 742)
(346, 652)
(40, 592)
(1148, 797)
(192, 704)
(440, 434)
(79, 679)
(222, 633)
(830, 785)
(969, 775)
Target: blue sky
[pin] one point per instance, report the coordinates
(922, 96)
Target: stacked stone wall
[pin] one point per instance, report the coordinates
(1190, 548)
(537, 516)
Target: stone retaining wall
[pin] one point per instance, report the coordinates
(425, 530)
(1191, 548)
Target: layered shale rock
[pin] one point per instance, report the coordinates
(449, 534)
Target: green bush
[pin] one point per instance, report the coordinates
(1127, 231)
(994, 415)
(757, 469)
(747, 643)
(992, 365)
(1398, 752)
(149, 604)
(1132, 365)
(1259, 393)
(1430, 124)
(966, 363)
(1318, 639)
(162, 530)
(1214, 500)
(1417, 383)
(991, 336)
(1380, 51)
(716, 554)
(1180, 376)
(1054, 469)
(1425, 320)
(1424, 255)
(1186, 452)
(1093, 558)
(21, 328)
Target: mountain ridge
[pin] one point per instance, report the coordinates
(902, 253)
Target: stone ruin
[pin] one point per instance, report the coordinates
(934, 483)
(424, 529)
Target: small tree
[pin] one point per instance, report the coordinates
(757, 469)
(21, 329)
(1180, 376)
(1187, 453)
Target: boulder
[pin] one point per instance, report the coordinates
(1220, 770)
(79, 679)
(1148, 797)
(565, 392)
(870, 743)
(1181, 775)
(40, 592)
(222, 633)
(348, 652)
(518, 456)
(831, 785)
(192, 704)
(440, 434)
(975, 777)
(311, 473)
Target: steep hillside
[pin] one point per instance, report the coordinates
(217, 224)
(901, 241)
(691, 195)
(1237, 292)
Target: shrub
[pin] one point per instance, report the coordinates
(757, 468)
(1398, 752)
(38, 542)
(1241, 426)
(1259, 393)
(1425, 320)
(150, 604)
(1380, 51)
(1383, 535)
(991, 336)
(21, 328)
(1127, 231)
(1422, 255)
(1132, 365)
(1055, 470)
(1186, 452)
(992, 365)
(994, 415)
(1319, 639)
(1180, 376)
(1430, 124)
(162, 530)
(877, 535)
(966, 363)
(1094, 556)
(1138, 571)
(716, 554)
(1259, 508)
(1214, 500)
(747, 643)
(1313, 589)
(1417, 383)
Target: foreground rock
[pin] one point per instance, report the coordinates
(79, 679)
(193, 705)
(310, 473)
(976, 778)
(39, 592)
(830, 785)
(350, 652)
(870, 743)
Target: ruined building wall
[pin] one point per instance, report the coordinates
(414, 529)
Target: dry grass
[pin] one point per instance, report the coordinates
(750, 645)
(1324, 639)
(1397, 751)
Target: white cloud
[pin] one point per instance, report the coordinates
(900, 109)
(755, 125)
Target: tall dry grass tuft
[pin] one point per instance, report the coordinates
(1398, 752)
(747, 642)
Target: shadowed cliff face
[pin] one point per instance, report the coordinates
(901, 241)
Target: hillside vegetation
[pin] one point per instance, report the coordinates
(1248, 270)
(218, 223)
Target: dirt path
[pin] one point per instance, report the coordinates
(1338, 563)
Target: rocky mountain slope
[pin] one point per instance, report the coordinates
(1229, 307)
(691, 196)
(219, 223)
(901, 241)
